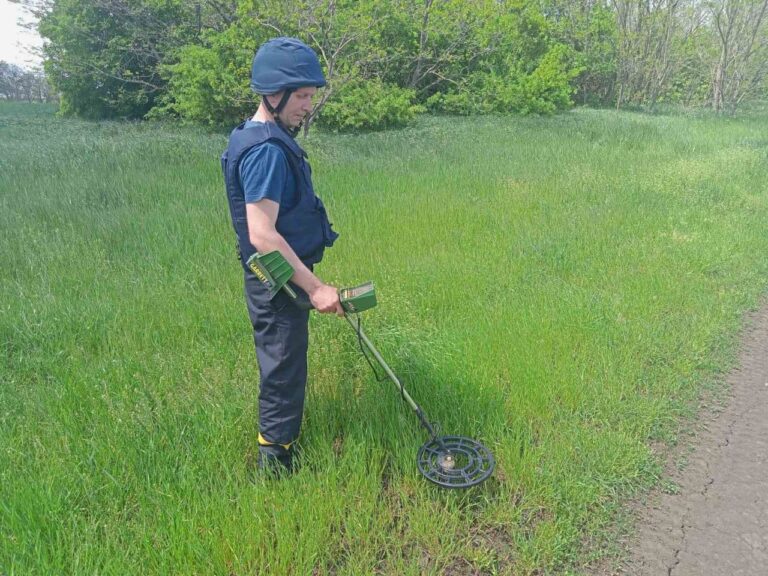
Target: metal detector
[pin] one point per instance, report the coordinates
(448, 461)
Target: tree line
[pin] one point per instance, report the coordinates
(17, 83)
(387, 60)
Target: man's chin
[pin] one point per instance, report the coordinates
(293, 124)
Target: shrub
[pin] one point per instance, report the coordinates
(544, 90)
(209, 84)
(369, 105)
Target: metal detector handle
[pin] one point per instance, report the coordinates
(302, 301)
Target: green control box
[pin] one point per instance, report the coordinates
(358, 298)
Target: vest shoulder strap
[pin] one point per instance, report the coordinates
(244, 138)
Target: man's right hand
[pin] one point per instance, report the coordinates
(325, 299)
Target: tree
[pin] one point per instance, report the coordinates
(742, 64)
(647, 60)
(336, 29)
(104, 56)
(386, 60)
(16, 83)
(589, 29)
(208, 83)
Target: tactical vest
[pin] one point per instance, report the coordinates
(304, 225)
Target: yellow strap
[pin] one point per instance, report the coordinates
(264, 442)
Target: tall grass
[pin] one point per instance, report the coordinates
(562, 289)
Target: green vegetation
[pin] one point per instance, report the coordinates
(561, 289)
(387, 60)
(384, 59)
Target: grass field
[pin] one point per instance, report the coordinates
(563, 289)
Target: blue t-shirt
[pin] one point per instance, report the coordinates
(265, 173)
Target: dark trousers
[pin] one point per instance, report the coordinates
(281, 336)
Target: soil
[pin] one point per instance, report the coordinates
(711, 518)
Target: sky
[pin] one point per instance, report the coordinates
(15, 41)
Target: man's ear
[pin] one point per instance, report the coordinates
(274, 99)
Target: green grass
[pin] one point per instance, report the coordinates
(562, 289)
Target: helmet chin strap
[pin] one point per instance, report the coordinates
(275, 111)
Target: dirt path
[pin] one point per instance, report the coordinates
(716, 523)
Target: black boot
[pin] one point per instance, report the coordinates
(276, 459)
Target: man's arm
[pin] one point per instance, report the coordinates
(262, 216)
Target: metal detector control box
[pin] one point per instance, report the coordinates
(358, 298)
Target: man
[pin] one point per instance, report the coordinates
(273, 207)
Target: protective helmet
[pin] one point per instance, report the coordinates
(285, 64)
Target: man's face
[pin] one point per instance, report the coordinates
(297, 107)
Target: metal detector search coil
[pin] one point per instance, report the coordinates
(455, 461)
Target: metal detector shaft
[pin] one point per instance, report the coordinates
(407, 397)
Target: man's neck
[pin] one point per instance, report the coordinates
(263, 115)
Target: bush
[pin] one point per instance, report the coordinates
(209, 84)
(548, 88)
(543, 91)
(369, 105)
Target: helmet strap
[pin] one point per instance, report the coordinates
(275, 110)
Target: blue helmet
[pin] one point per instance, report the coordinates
(285, 64)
